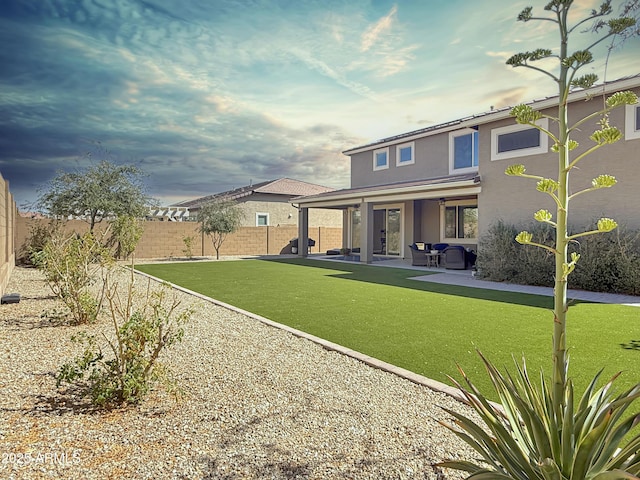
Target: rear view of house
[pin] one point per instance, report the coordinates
(446, 183)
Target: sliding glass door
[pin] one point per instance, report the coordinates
(387, 231)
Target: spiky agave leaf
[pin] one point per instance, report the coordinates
(526, 438)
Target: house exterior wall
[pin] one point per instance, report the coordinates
(282, 213)
(431, 160)
(515, 200)
(512, 199)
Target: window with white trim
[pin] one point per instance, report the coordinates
(632, 122)
(459, 221)
(519, 141)
(262, 219)
(381, 159)
(405, 154)
(463, 151)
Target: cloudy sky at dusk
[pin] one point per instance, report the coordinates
(208, 95)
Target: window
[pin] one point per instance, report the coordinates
(463, 151)
(262, 219)
(518, 141)
(381, 159)
(405, 154)
(460, 222)
(632, 122)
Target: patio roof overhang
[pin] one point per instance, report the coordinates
(441, 187)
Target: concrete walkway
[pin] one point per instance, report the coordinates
(464, 278)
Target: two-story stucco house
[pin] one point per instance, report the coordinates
(446, 183)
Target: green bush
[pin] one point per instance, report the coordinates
(188, 245)
(502, 259)
(71, 265)
(129, 367)
(608, 263)
(39, 234)
(126, 232)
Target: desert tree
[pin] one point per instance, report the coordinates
(102, 191)
(218, 219)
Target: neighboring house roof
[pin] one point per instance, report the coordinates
(281, 186)
(418, 188)
(499, 114)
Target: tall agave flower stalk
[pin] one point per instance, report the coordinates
(540, 433)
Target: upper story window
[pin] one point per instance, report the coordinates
(463, 151)
(632, 122)
(381, 159)
(405, 154)
(518, 141)
(262, 219)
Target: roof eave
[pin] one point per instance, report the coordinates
(377, 195)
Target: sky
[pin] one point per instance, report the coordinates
(209, 95)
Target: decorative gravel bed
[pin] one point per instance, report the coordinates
(259, 403)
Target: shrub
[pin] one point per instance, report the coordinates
(188, 245)
(71, 265)
(608, 263)
(126, 232)
(39, 235)
(127, 370)
(502, 259)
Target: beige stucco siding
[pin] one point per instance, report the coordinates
(431, 160)
(282, 213)
(514, 200)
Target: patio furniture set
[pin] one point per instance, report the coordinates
(454, 257)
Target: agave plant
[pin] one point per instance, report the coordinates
(541, 431)
(525, 439)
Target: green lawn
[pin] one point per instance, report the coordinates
(420, 326)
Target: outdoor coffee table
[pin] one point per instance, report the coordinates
(433, 259)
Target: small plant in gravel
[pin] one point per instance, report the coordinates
(71, 265)
(188, 245)
(125, 366)
(126, 232)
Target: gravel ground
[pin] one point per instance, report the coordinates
(259, 403)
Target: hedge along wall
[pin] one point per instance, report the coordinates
(8, 214)
(165, 239)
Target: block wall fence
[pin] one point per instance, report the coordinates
(165, 239)
(8, 215)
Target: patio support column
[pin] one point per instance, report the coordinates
(366, 233)
(345, 228)
(303, 232)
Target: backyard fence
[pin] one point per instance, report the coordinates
(166, 239)
(8, 214)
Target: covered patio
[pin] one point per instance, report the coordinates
(383, 220)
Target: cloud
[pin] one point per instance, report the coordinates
(372, 35)
(506, 97)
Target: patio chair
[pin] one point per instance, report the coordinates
(455, 257)
(418, 257)
(440, 246)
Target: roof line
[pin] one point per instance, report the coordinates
(498, 114)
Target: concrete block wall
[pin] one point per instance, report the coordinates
(8, 214)
(165, 239)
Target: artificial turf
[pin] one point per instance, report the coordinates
(421, 326)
